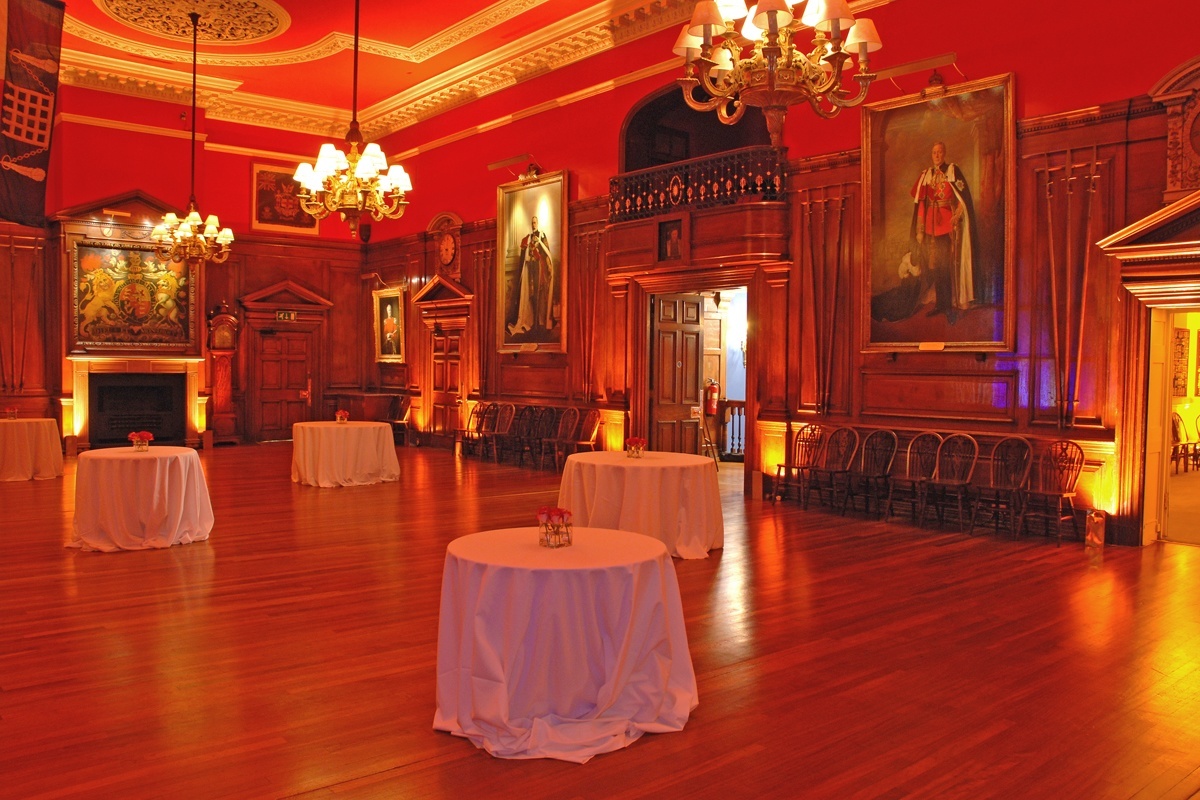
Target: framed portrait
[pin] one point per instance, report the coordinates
(531, 225)
(1180, 355)
(672, 241)
(939, 211)
(125, 297)
(276, 209)
(389, 324)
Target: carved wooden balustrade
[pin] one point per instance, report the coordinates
(751, 172)
(731, 437)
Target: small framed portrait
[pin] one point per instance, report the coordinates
(276, 207)
(671, 241)
(389, 324)
(531, 224)
(939, 209)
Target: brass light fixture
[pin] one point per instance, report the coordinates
(353, 183)
(763, 64)
(190, 238)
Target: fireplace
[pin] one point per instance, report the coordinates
(137, 401)
(112, 396)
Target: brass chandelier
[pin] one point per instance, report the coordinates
(353, 182)
(191, 238)
(764, 64)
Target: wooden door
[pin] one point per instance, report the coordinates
(446, 358)
(676, 362)
(284, 376)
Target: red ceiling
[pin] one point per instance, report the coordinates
(327, 80)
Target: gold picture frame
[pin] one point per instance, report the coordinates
(946, 283)
(388, 307)
(124, 297)
(531, 296)
(276, 209)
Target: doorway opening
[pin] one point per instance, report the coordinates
(697, 372)
(1181, 384)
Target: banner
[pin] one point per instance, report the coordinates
(30, 78)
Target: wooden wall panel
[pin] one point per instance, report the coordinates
(938, 398)
(26, 380)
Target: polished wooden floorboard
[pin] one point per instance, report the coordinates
(292, 654)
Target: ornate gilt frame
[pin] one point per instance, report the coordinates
(543, 196)
(975, 122)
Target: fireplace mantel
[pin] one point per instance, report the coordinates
(75, 408)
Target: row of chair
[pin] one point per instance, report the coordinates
(937, 475)
(1185, 450)
(541, 432)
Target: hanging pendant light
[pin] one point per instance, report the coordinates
(352, 182)
(192, 238)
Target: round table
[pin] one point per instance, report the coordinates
(127, 499)
(562, 653)
(331, 454)
(673, 497)
(30, 448)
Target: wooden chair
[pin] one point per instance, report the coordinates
(1183, 451)
(518, 435)
(832, 472)
(920, 461)
(583, 439)
(467, 435)
(543, 430)
(398, 414)
(480, 421)
(493, 436)
(565, 431)
(1011, 460)
(871, 477)
(1052, 491)
(956, 459)
(806, 448)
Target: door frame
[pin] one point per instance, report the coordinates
(284, 306)
(638, 289)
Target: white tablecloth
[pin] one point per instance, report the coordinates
(129, 500)
(561, 653)
(29, 448)
(673, 497)
(343, 453)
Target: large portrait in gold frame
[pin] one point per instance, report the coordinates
(939, 209)
(389, 324)
(531, 224)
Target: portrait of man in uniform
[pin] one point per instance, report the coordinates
(938, 246)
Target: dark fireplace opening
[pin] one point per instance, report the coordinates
(137, 401)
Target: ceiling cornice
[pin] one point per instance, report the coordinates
(328, 45)
(596, 30)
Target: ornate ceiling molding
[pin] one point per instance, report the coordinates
(221, 21)
(328, 45)
(595, 30)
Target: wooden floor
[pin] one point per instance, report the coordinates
(292, 654)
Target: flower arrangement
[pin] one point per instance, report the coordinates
(341, 415)
(554, 527)
(635, 446)
(141, 439)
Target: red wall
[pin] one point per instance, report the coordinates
(1069, 57)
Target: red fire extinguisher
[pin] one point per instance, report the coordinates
(712, 393)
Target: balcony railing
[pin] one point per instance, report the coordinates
(755, 173)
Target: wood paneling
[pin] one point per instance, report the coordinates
(942, 397)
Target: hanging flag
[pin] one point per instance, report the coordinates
(30, 78)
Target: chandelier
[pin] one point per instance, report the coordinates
(765, 65)
(355, 182)
(191, 238)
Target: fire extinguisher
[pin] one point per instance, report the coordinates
(711, 393)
